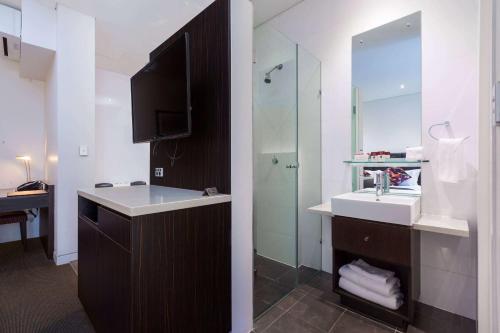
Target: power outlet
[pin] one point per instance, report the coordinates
(159, 172)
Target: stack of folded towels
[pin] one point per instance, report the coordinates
(371, 283)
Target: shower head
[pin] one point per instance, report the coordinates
(267, 77)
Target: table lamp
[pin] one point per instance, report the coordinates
(27, 166)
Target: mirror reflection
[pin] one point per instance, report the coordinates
(387, 103)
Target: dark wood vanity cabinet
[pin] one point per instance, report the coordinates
(104, 271)
(388, 246)
(163, 272)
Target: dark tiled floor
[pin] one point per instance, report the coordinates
(275, 280)
(313, 307)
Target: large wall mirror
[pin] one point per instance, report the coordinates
(387, 99)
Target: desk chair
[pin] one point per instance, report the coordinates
(16, 217)
(102, 185)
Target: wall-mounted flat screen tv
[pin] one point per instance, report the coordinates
(161, 95)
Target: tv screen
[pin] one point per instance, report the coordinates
(161, 95)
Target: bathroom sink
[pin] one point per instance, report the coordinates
(403, 210)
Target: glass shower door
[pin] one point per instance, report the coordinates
(275, 167)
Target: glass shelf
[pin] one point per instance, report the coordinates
(400, 162)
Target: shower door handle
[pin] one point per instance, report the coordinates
(293, 166)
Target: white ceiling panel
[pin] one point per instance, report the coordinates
(127, 30)
(265, 10)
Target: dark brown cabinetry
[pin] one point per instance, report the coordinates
(389, 246)
(164, 272)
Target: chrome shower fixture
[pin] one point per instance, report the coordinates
(267, 78)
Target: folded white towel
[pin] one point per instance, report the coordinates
(389, 288)
(393, 302)
(451, 160)
(371, 272)
(415, 153)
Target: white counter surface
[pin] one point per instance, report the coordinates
(322, 209)
(430, 223)
(443, 225)
(149, 199)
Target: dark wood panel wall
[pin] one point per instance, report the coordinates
(205, 155)
(181, 275)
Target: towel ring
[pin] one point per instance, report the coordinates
(445, 124)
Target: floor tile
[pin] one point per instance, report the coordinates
(323, 281)
(354, 323)
(432, 320)
(271, 292)
(292, 277)
(290, 300)
(269, 268)
(267, 293)
(315, 312)
(322, 287)
(289, 324)
(267, 319)
(259, 307)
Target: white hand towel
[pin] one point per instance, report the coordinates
(451, 160)
(389, 288)
(393, 302)
(415, 153)
(371, 272)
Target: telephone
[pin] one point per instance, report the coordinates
(32, 186)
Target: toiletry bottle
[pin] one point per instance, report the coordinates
(387, 182)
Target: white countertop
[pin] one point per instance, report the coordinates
(149, 199)
(442, 225)
(430, 223)
(323, 209)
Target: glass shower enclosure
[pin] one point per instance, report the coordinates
(287, 166)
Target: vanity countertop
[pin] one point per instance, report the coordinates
(442, 225)
(430, 223)
(150, 199)
(322, 209)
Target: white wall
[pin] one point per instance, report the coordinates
(449, 92)
(39, 24)
(38, 41)
(117, 159)
(241, 166)
(22, 132)
(392, 124)
(70, 114)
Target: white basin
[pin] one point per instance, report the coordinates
(403, 210)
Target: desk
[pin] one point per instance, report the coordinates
(44, 202)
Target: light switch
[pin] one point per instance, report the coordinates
(84, 150)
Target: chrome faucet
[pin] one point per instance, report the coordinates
(380, 180)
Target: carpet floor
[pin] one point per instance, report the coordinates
(36, 295)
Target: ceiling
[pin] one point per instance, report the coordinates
(127, 30)
(264, 10)
(404, 28)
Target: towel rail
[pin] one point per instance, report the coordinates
(445, 124)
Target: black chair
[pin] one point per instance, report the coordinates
(138, 182)
(16, 217)
(101, 185)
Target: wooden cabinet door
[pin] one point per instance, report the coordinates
(383, 241)
(113, 287)
(87, 267)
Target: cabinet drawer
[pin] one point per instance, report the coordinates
(114, 226)
(382, 241)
